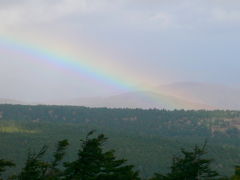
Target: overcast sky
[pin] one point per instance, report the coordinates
(148, 42)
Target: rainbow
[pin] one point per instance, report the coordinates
(81, 66)
(63, 61)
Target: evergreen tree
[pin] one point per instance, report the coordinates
(95, 164)
(191, 166)
(37, 169)
(54, 172)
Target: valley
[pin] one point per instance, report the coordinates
(147, 138)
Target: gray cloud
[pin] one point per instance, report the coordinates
(156, 14)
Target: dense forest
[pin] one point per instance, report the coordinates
(147, 138)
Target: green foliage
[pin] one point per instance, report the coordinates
(4, 164)
(191, 166)
(38, 169)
(147, 138)
(236, 176)
(58, 157)
(95, 164)
(35, 168)
(92, 163)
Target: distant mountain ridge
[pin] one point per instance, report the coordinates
(11, 101)
(214, 95)
(183, 95)
(143, 100)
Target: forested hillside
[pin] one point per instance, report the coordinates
(147, 138)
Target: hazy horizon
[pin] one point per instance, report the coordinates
(117, 93)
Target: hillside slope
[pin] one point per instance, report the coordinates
(214, 95)
(147, 138)
(143, 100)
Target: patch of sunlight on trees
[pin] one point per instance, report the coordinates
(15, 129)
